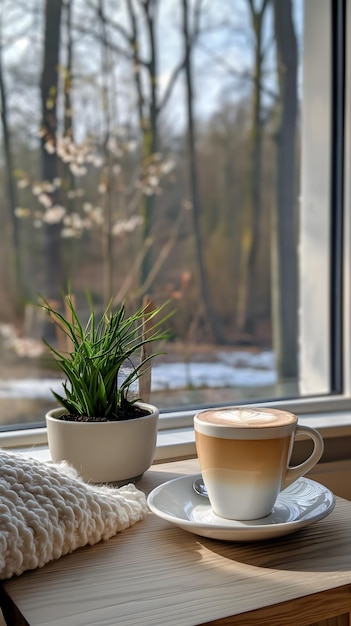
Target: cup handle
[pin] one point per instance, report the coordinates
(293, 473)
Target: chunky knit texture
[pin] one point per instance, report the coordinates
(47, 511)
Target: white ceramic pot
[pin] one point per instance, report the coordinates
(104, 452)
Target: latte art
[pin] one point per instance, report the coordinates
(244, 417)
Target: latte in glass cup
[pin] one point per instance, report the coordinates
(244, 456)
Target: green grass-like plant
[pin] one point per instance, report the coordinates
(99, 350)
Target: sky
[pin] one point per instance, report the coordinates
(222, 56)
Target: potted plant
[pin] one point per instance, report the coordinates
(103, 433)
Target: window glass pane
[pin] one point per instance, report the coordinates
(153, 148)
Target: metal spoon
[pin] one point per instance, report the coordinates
(199, 487)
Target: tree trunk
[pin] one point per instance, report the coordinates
(55, 281)
(107, 246)
(18, 294)
(209, 312)
(250, 234)
(284, 260)
(69, 182)
(150, 139)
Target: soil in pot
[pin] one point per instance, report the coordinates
(124, 413)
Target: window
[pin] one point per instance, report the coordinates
(191, 151)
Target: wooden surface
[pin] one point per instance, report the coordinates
(156, 574)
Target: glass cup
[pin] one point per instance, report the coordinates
(244, 455)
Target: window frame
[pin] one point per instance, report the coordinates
(347, 213)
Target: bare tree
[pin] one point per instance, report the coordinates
(148, 112)
(69, 181)
(108, 200)
(252, 213)
(149, 104)
(209, 311)
(10, 184)
(55, 280)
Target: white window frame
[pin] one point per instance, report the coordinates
(315, 218)
(330, 413)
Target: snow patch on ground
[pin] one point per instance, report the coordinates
(233, 369)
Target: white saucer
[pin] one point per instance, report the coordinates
(301, 504)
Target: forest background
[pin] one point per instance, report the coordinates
(151, 147)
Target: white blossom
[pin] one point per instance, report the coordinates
(54, 215)
(77, 170)
(97, 215)
(36, 189)
(153, 181)
(45, 200)
(48, 187)
(69, 233)
(73, 220)
(49, 147)
(167, 166)
(22, 183)
(113, 147)
(131, 146)
(126, 226)
(97, 161)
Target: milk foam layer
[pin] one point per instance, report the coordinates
(244, 417)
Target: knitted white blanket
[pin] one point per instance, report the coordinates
(47, 511)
